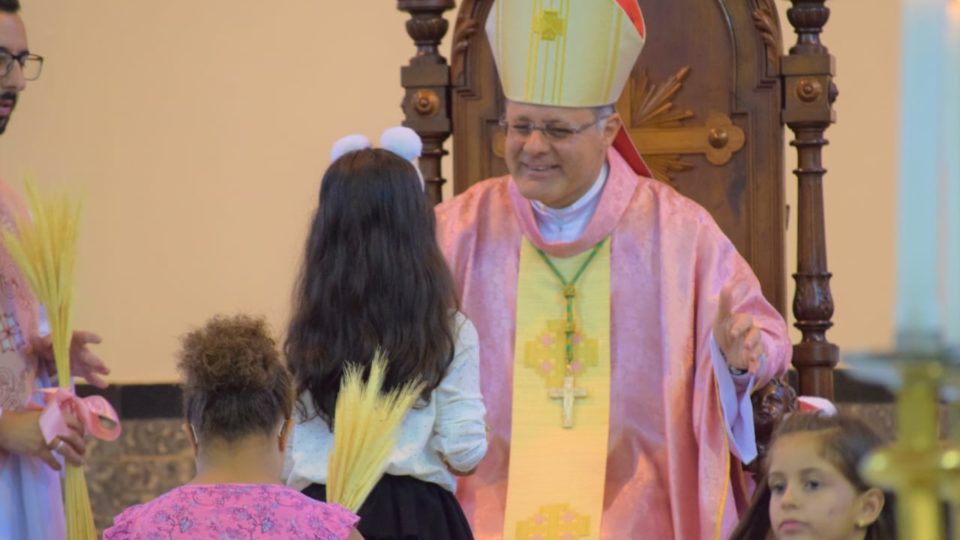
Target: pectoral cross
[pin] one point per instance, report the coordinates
(568, 393)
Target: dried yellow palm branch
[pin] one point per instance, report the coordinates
(365, 432)
(45, 250)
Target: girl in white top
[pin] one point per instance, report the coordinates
(374, 278)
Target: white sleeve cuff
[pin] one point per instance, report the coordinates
(736, 407)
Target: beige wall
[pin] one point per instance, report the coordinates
(860, 186)
(197, 133)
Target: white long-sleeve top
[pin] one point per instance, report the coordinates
(449, 428)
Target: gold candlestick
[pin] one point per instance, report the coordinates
(911, 466)
(950, 458)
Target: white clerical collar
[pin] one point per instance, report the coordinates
(567, 224)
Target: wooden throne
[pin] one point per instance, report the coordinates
(707, 105)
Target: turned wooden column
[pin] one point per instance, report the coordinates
(426, 80)
(809, 93)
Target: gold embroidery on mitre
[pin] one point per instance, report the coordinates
(550, 25)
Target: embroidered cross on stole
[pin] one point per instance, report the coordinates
(561, 396)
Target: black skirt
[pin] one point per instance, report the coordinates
(404, 508)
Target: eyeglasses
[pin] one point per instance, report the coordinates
(30, 64)
(554, 131)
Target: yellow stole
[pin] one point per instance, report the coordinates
(556, 478)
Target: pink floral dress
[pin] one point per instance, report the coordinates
(232, 512)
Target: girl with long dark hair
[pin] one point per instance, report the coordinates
(373, 279)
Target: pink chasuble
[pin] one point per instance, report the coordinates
(670, 472)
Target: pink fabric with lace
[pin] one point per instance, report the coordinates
(15, 285)
(31, 504)
(18, 372)
(233, 511)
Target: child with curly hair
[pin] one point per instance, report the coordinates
(238, 399)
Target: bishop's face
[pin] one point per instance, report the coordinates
(555, 153)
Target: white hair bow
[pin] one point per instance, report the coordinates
(400, 140)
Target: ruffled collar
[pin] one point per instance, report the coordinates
(611, 201)
(567, 224)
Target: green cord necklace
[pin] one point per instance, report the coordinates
(569, 391)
